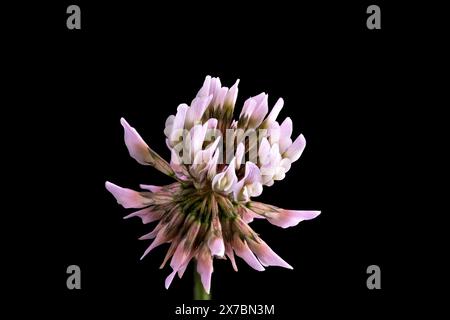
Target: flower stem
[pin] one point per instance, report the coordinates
(199, 291)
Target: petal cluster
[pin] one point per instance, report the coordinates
(233, 156)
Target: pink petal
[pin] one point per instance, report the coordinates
(213, 88)
(243, 189)
(180, 256)
(264, 151)
(225, 181)
(285, 135)
(169, 279)
(216, 246)
(237, 190)
(246, 215)
(212, 164)
(266, 255)
(242, 250)
(147, 215)
(253, 111)
(274, 132)
(126, 197)
(168, 126)
(255, 189)
(159, 240)
(150, 187)
(240, 151)
(195, 112)
(148, 236)
(260, 110)
(136, 146)
(219, 97)
(178, 123)
(175, 160)
(211, 124)
(286, 164)
(204, 90)
(272, 117)
(196, 138)
(252, 173)
(183, 268)
(205, 269)
(296, 149)
(286, 127)
(260, 98)
(154, 232)
(230, 98)
(290, 218)
(248, 108)
(275, 111)
(191, 235)
(169, 253)
(230, 254)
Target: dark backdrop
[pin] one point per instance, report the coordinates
(342, 88)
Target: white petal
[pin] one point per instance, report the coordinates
(260, 110)
(225, 181)
(205, 269)
(204, 90)
(239, 154)
(273, 113)
(296, 149)
(286, 164)
(230, 98)
(286, 127)
(195, 112)
(274, 132)
(168, 126)
(285, 135)
(216, 246)
(212, 165)
(250, 184)
(264, 151)
(178, 123)
(248, 108)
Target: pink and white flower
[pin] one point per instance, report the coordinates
(218, 164)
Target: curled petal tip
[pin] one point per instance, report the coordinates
(311, 214)
(286, 265)
(124, 123)
(112, 188)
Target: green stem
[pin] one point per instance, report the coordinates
(199, 292)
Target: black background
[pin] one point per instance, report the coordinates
(343, 87)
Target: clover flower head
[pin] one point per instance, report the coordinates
(219, 164)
